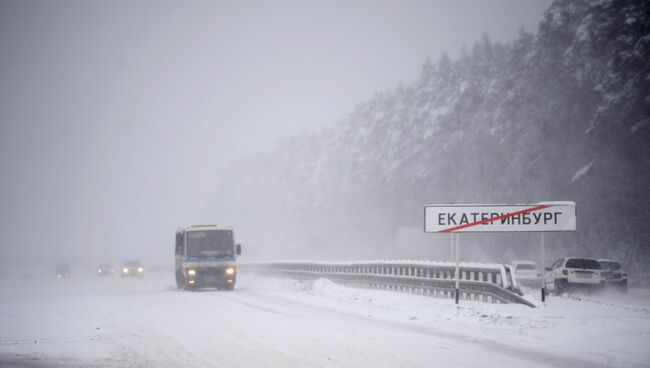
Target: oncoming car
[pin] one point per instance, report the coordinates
(573, 273)
(63, 271)
(104, 270)
(132, 269)
(614, 275)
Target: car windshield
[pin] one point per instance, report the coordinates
(524, 266)
(132, 264)
(608, 265)
(584, 263)
(215, 243)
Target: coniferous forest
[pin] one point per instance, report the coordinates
(560, 113)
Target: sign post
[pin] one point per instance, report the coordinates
(451, 247)
(540, 217)
(541, 246)
(457, 252)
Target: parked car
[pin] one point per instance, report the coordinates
(132, 269)
(104, 270)
(527, 274)
(63, 271)
(573, 273)
(614, 274)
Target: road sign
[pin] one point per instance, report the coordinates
(544, 216)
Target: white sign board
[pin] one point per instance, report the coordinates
(544, 216)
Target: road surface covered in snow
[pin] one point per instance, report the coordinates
(113, 322)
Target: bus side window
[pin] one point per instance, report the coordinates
(179, 244)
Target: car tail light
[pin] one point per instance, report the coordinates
(539, 274)
(565, 272)
(623, 275)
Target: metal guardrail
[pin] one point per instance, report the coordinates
(490, 283)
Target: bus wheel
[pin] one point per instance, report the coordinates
(180, 282)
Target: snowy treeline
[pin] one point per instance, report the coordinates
(561, 114)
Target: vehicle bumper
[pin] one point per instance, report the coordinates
(212, 278)
(132, 274)
(621, 284)
(573, 285)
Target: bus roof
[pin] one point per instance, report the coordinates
(203, 228)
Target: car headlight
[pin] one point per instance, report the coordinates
(191, 272)
(230, 271)
(99, 271)
(140, 269)
(125, 270)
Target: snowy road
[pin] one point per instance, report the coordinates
(98, 322)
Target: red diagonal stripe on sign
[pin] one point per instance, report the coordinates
(532, 209)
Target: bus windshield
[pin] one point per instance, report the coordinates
(204, 244)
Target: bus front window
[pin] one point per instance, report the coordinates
(205, 244)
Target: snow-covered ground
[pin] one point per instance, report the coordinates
(113, 322)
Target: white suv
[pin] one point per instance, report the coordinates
(573, 273)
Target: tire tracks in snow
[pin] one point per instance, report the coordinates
(279, 305)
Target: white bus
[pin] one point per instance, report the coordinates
(206, 257)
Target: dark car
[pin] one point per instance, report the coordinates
(104, 270)
(132, 269)
(63, 271)
(614, 274)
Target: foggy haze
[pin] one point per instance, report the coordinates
(117, 119)
(324, 183)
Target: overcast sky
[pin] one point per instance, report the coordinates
(115, 117)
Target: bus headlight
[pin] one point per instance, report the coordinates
(230, 271)
(191, 272)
